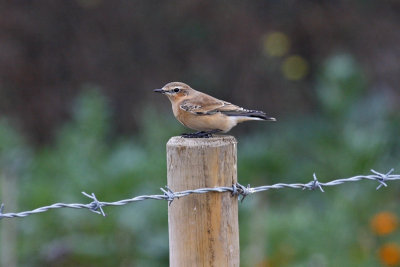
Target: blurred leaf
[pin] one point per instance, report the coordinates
(340, 84)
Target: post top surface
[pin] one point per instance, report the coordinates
(216, 140)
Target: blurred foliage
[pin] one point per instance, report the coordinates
(14, 151)
(48, 49)
(355, 131)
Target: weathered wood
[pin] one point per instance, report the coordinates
(203, 228)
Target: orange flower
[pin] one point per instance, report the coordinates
(390, 254)
(384, 223)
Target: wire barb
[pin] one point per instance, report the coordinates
(95, 206)
(169, 194)
(235, 189)
(314, 184)
(244, 191)
(382, 178)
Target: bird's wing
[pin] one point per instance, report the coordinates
(210, 105)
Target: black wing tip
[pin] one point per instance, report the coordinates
(263, 116)
(260, 114)
(270, 119)
(250, 113)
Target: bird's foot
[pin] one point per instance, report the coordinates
(201, 134)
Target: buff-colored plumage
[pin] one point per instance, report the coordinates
(205, 113)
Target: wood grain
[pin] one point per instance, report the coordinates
(203, 228)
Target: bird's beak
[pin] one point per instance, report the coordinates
(159, 91)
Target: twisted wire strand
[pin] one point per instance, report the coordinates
(237, 189)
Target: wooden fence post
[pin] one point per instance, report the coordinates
(203, 228)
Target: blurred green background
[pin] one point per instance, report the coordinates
(78, 114)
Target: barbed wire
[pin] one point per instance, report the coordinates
(236, 190)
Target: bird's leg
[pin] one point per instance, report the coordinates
(201, 134)
(210, 133)
(194, 135)
(189, 135)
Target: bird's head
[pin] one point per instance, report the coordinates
(175, 91)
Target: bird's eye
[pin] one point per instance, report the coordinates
(176, 90)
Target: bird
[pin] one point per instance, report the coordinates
(204, 113)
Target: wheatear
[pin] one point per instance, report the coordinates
(205, 113)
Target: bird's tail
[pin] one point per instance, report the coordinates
(261, 115)
(250, 114)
